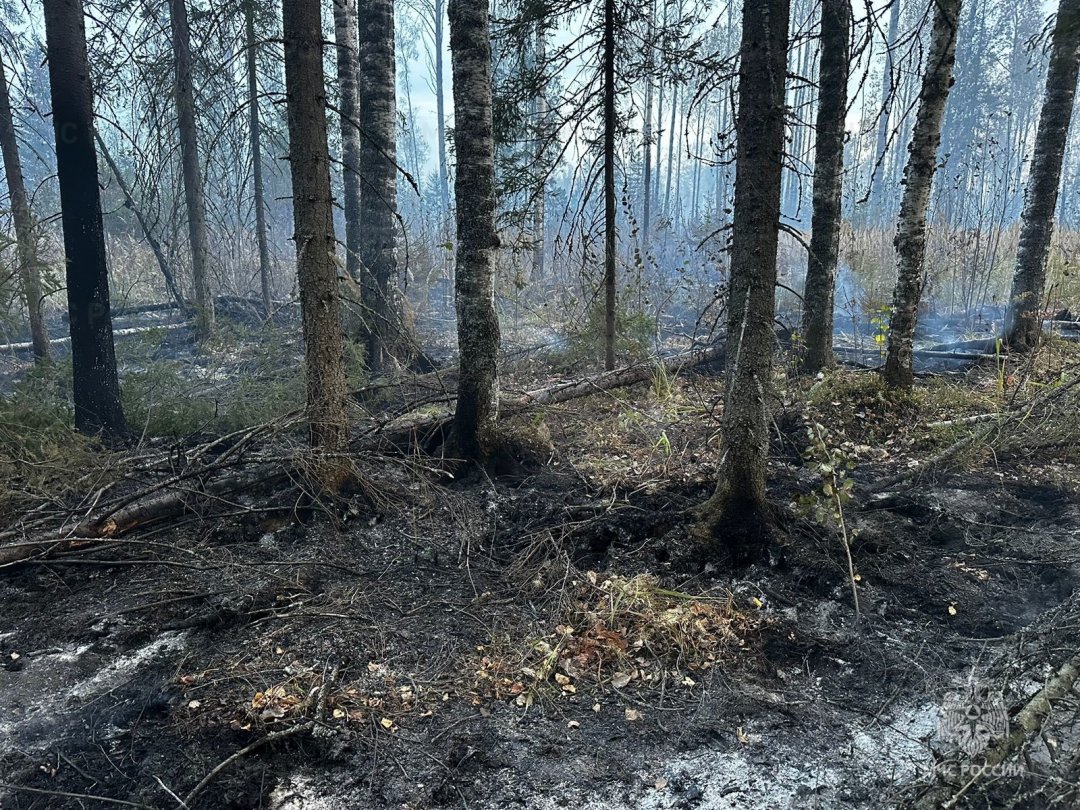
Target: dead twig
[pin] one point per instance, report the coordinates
(273, 736)
(65, 794)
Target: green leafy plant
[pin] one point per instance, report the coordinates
(826, 504)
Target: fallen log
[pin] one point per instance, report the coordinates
(618, 378)
(184, 492)
(146, 508)
(407, 427)
(1024, 726)
(929, 354)
(979, 346)
(135, 330)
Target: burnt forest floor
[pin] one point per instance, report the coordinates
(552, 636)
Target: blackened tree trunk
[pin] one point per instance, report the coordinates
(348, 68)
(148, 234)
(737, 515)
(378, 181)
(309, 162)
(255, 139)
(474, 431)
(25, 240)
(95, 385)
(918, 177)
(817, 316)
(610, 245)
(1023, 320)
(193, 180)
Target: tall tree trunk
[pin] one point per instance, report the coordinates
(309, 163)
(541, 116)
(151, 240)
(255, 138)
(193, 180)
(1023, 321)
(659, 135)
(610, 246)
(26, 241)
(817, 316)
(437, 9)
(95, 385)
(348, 68)
(721, 178)
(699, 146)
(473, 432)
(737, 514)
(378, 180)
(887, 92)
(647, 132)
(671, 147)
(918, 178)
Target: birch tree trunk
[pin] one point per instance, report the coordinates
(473, 434)
(737, 515)
(378, 180)
(309, 163)
(95, 385)
(193, 180)
(1023, 321)
(255, 139)
(610, 245)
(817, 317)
(348, 68)
(26, 242)
(918, 178)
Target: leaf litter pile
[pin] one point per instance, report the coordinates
(550, 638)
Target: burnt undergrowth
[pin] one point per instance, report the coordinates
(547, 637)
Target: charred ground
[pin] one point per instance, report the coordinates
(550, 638)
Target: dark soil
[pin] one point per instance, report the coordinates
(550, 638)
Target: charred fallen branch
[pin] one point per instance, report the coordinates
(146, 508)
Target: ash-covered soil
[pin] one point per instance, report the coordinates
(540, 641)
(549, 637)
